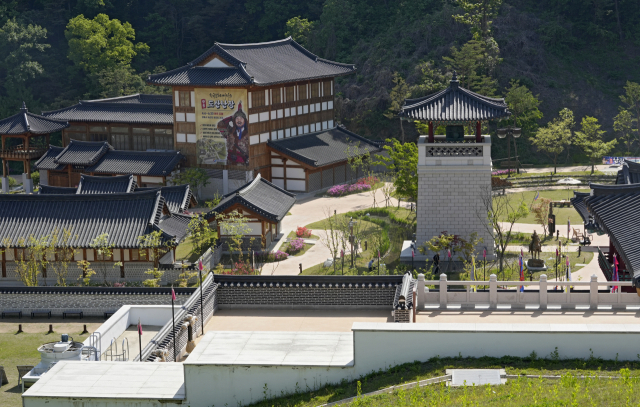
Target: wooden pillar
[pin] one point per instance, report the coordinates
(431, 133)
(69, 174)
(478, 132)
(47, 138)
(4, 263)
(4, 168)
(122, 263)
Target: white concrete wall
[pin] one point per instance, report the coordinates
(94, 402)
(236, 385)
(156, 315)
(405, 343)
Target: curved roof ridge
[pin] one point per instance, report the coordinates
(112, 98)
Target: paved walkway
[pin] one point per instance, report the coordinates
(311, 209)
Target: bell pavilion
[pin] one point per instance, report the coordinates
(454, 170)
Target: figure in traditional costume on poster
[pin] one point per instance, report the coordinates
(234, 130)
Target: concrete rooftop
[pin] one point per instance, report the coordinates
(270, 348)
(159, 381)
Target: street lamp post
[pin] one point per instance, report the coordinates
(509, 132)
(351, 239)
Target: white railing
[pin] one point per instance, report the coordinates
(494, 294)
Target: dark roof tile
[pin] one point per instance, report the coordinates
(134, 109)
(151, 163)
(47, 161)
(262, 64)
(454, 104)
(25, 122)
(49, 190)
(175, 225)
(124, 217)
(324, 147)
(82, 152)
(121, 184)
(259, 196)
(178, 198)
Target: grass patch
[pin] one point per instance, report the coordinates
(288, 213)
(521, 238)
(293, 235)
(562, 214)
(184, 251)
(22, 349)
(519, 392)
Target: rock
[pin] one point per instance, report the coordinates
(535, 263)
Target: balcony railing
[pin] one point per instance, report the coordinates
(19, 152)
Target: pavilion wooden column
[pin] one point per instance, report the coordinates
(478, 132)
(431, 133)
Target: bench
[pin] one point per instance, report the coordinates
(75, 312)
(3, 377)
(581, 238)
(107, 314)
(46, 312)
(14, 312)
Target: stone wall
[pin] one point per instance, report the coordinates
(450, 200)
(92, 301)
(307, 292)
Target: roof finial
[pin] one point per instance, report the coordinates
(24, 106)
(454, 80)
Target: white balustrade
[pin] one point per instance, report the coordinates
(543, 294)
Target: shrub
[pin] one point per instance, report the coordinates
(295, 245)
(303, 232)
(499, 182)
(241, 269)
(267, 257)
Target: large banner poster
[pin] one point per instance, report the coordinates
(221, 126)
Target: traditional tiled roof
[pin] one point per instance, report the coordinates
(617, 215)
(263, 63)
(578, 203)
(177, 197)
(151, 163)
(629, 173)
(608, 189)
(106, 185)
(124, 217)
(25, 122)
(49, 190)
(259, 196)
(47, 161)
(82, 152)
(454, 104)
(324, 147)
(175, 225)
(132, 109)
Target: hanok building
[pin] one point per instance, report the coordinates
(33, 132)
(64, 166)
(613, 209)
(124, 217)
(262, 204)
(454, 171)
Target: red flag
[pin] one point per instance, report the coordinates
(139, 327)
(341, 253)
(378, 253)
(200, 264)
(484, 254)
(413, 254)
(448, 253)
(173, 294)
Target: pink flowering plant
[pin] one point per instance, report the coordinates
(363, 184)
(295, 245)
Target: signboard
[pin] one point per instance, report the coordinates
(618, 160)
(222, 126)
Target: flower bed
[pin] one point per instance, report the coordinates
(303, 232)
(363, 184)
(295, 245)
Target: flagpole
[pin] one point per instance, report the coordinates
(140, 338)
(173, 319)
(378, 262)
(201, 300)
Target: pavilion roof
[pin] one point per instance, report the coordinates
(259, 196)
(264, 63)
(26, 122)
(106, 185)
(455, 104)
(178, 198)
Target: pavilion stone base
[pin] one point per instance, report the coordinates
(452, 179)
(5, 184)
(27, 184)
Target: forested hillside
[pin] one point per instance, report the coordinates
(543, 55)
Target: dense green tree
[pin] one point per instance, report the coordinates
(430, 80)
(100, 43)
(403, 163)
(299, 29)
(470, 64)
(523, 106)
(631, 102)
(623, 124)
(397, 95)
(555, 136)
(590, 140)
(479, 15)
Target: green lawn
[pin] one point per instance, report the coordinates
(22, 349)
(556, 195)
(183, 251)
(568, 391)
